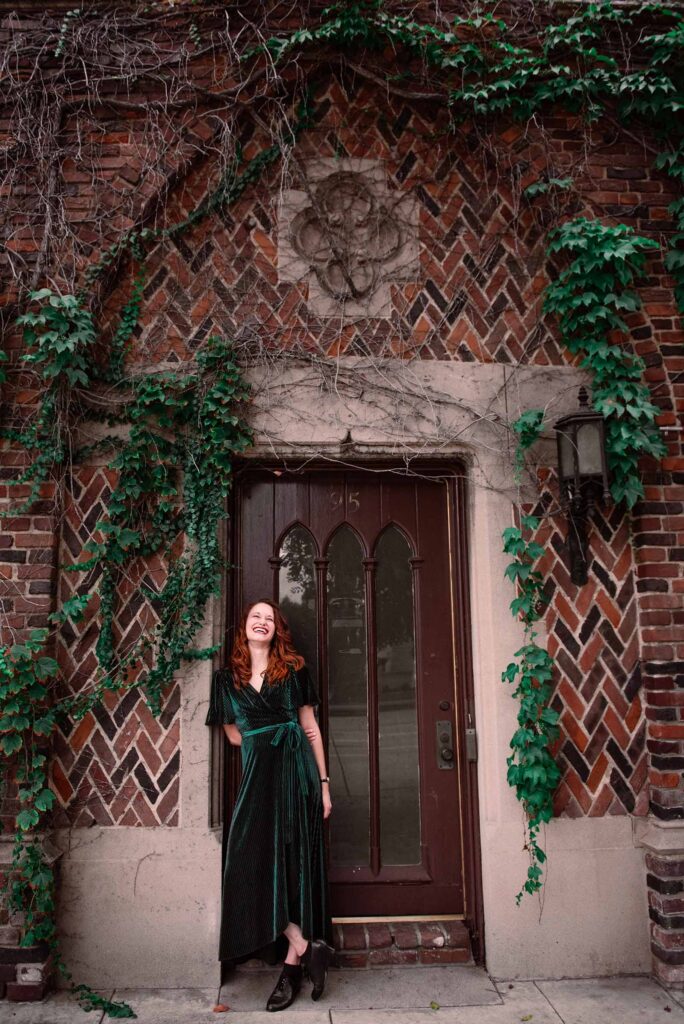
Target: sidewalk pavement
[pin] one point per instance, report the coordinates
(458, 994)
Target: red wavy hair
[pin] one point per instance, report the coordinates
(282, 656)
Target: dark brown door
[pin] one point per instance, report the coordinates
(361, 563)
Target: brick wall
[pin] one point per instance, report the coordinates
(618, 642)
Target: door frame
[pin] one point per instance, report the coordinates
(225, 769)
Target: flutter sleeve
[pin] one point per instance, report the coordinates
(220, 708)
(306, 688)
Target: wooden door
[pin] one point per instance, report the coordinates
(362, 565)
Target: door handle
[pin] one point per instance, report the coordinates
(445, 745)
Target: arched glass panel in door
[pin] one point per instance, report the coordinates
(397, 709)
(348, 701)
(297, 591)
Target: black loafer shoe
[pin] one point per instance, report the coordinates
(286, 989)
(316, 960)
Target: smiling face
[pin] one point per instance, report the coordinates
(260, 624)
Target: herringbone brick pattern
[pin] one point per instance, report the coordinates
(475, 298)
(119, 764)
(481, 277)
(593, 638)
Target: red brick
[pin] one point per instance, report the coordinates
(344, 959)
(34, 540)
(379, 936)
(33, 993)
(456, 934)
(354, 937)
(405, 935)
(428, 933)
(444, 956)
(667, 938)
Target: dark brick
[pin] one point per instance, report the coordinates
(417, 308)
(663, 668)
(611, 637)
(170, 772)
(427, 201)
(666, 813)
(633, 683)
(24, 954)
(660, 508)
(146, 783)
(670, 921)
(669, 956)
(573, 755)
(652, 586)
(406, 166)
(607, 580)
(589, 623)
(668, 887)
(654, 540)
(622, 790)
(41, 587)
(667, 764)
(13, 556)
(33, 993)
(566, 638)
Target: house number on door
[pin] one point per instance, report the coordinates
(337, 498)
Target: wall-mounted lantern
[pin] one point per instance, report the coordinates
(583, 475)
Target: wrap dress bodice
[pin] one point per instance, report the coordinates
(275, 858)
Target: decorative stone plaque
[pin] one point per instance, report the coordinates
(349, 237)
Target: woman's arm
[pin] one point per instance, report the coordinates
(308, 722)
(233, 734)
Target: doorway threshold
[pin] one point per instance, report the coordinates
(382, 988)
(403, 941)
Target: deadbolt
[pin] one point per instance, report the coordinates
(444, 705)
(445, 745)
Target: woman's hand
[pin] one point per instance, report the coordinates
(233, 735)
(327, 802)
(311, 733)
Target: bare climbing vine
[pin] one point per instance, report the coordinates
(219, 101)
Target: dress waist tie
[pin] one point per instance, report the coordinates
(294, 773)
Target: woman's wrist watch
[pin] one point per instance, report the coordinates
(326, 779)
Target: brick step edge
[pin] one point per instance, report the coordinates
(401, 942)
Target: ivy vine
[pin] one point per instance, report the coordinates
(174, 466)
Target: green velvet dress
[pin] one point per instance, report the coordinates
(275, 858)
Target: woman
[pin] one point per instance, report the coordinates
(274, 882)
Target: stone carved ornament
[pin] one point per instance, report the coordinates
(346, 236)
(349, 236)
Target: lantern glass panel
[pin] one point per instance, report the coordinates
(567, 454)
(589, 448)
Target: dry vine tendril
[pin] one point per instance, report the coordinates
(179, 422)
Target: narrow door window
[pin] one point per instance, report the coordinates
(397, 711)
(348, 701)
(297, 591)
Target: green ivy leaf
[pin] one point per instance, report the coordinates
(27, 819)
(44, 800)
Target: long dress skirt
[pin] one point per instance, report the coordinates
(275, 858)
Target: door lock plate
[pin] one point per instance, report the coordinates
(445, 745)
